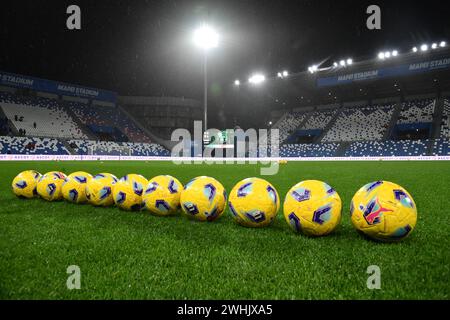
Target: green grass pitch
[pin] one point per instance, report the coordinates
(138, 256)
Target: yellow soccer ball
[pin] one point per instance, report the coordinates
(254, 202)
(99, 189)
(203, 199)
(24, 185)
(127, 192)
(383, 211)
(74, 187)
(162, 195)
(49, 186)
(312, 208)
(137, 181)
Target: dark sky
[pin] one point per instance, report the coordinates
(144, 47)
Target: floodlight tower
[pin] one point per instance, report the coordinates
(206, 38)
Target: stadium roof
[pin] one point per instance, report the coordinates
(408, 74)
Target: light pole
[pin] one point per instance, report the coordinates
(205, 89)
(205, 38)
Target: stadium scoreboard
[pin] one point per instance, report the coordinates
(222, 139)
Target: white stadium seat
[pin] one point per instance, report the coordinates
(51, 119)
(364, 123)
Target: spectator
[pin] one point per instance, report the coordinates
(15, 117)
(34, 124)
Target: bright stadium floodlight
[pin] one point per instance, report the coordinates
(237, 82)
(206, 38)
(349, 61)
(282, 74)
(434, 46)
(387, 54)
(424, 47)
(335, 64)
(312, 68)
(342, 63)
(442, 44)
(414, 49)
(394, 53)
(381, 56)
(257, 78)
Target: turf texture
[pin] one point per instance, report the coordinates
(125, 255)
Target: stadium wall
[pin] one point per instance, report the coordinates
(328, 106)
(75, 99)
(355, 104)
(158, 101)
(47, 95)
(386, 100)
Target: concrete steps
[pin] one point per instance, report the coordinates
(343, 146)
(328, 126)
(437, 118)
(165, 143)
(80, 124)
(390, 130)
(307, 116)
(68, 147)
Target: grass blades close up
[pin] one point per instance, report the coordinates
(125, 255)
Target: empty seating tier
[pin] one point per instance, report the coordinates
(113, 117)
(29, 145)
(40, 117)
(417, 111)
(366, 123)
(388, 148)
(89, 147)
(309, 150)
(445, 124)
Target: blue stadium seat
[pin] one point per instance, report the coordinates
(388, 148)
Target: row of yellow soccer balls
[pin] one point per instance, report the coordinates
(382, 210)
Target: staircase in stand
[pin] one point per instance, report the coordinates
(328, 126)
(165, 143)
(437, 118)
(84, 128)
(67, 146)
(343, 146)
(10, 123)
(301, 124)
(390, 129)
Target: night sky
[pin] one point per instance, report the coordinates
(145, 48)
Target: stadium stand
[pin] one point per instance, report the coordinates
(309, 150)
(108, 123)
(86, 147)
(441, 147)
(315, 123)
(55, 127)
(4, 127)
(364, 123)
(388, 148)
(39, 117)
(29, 145)
(445, 124)
(286, 126)
(318, 120)
(417, 111)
